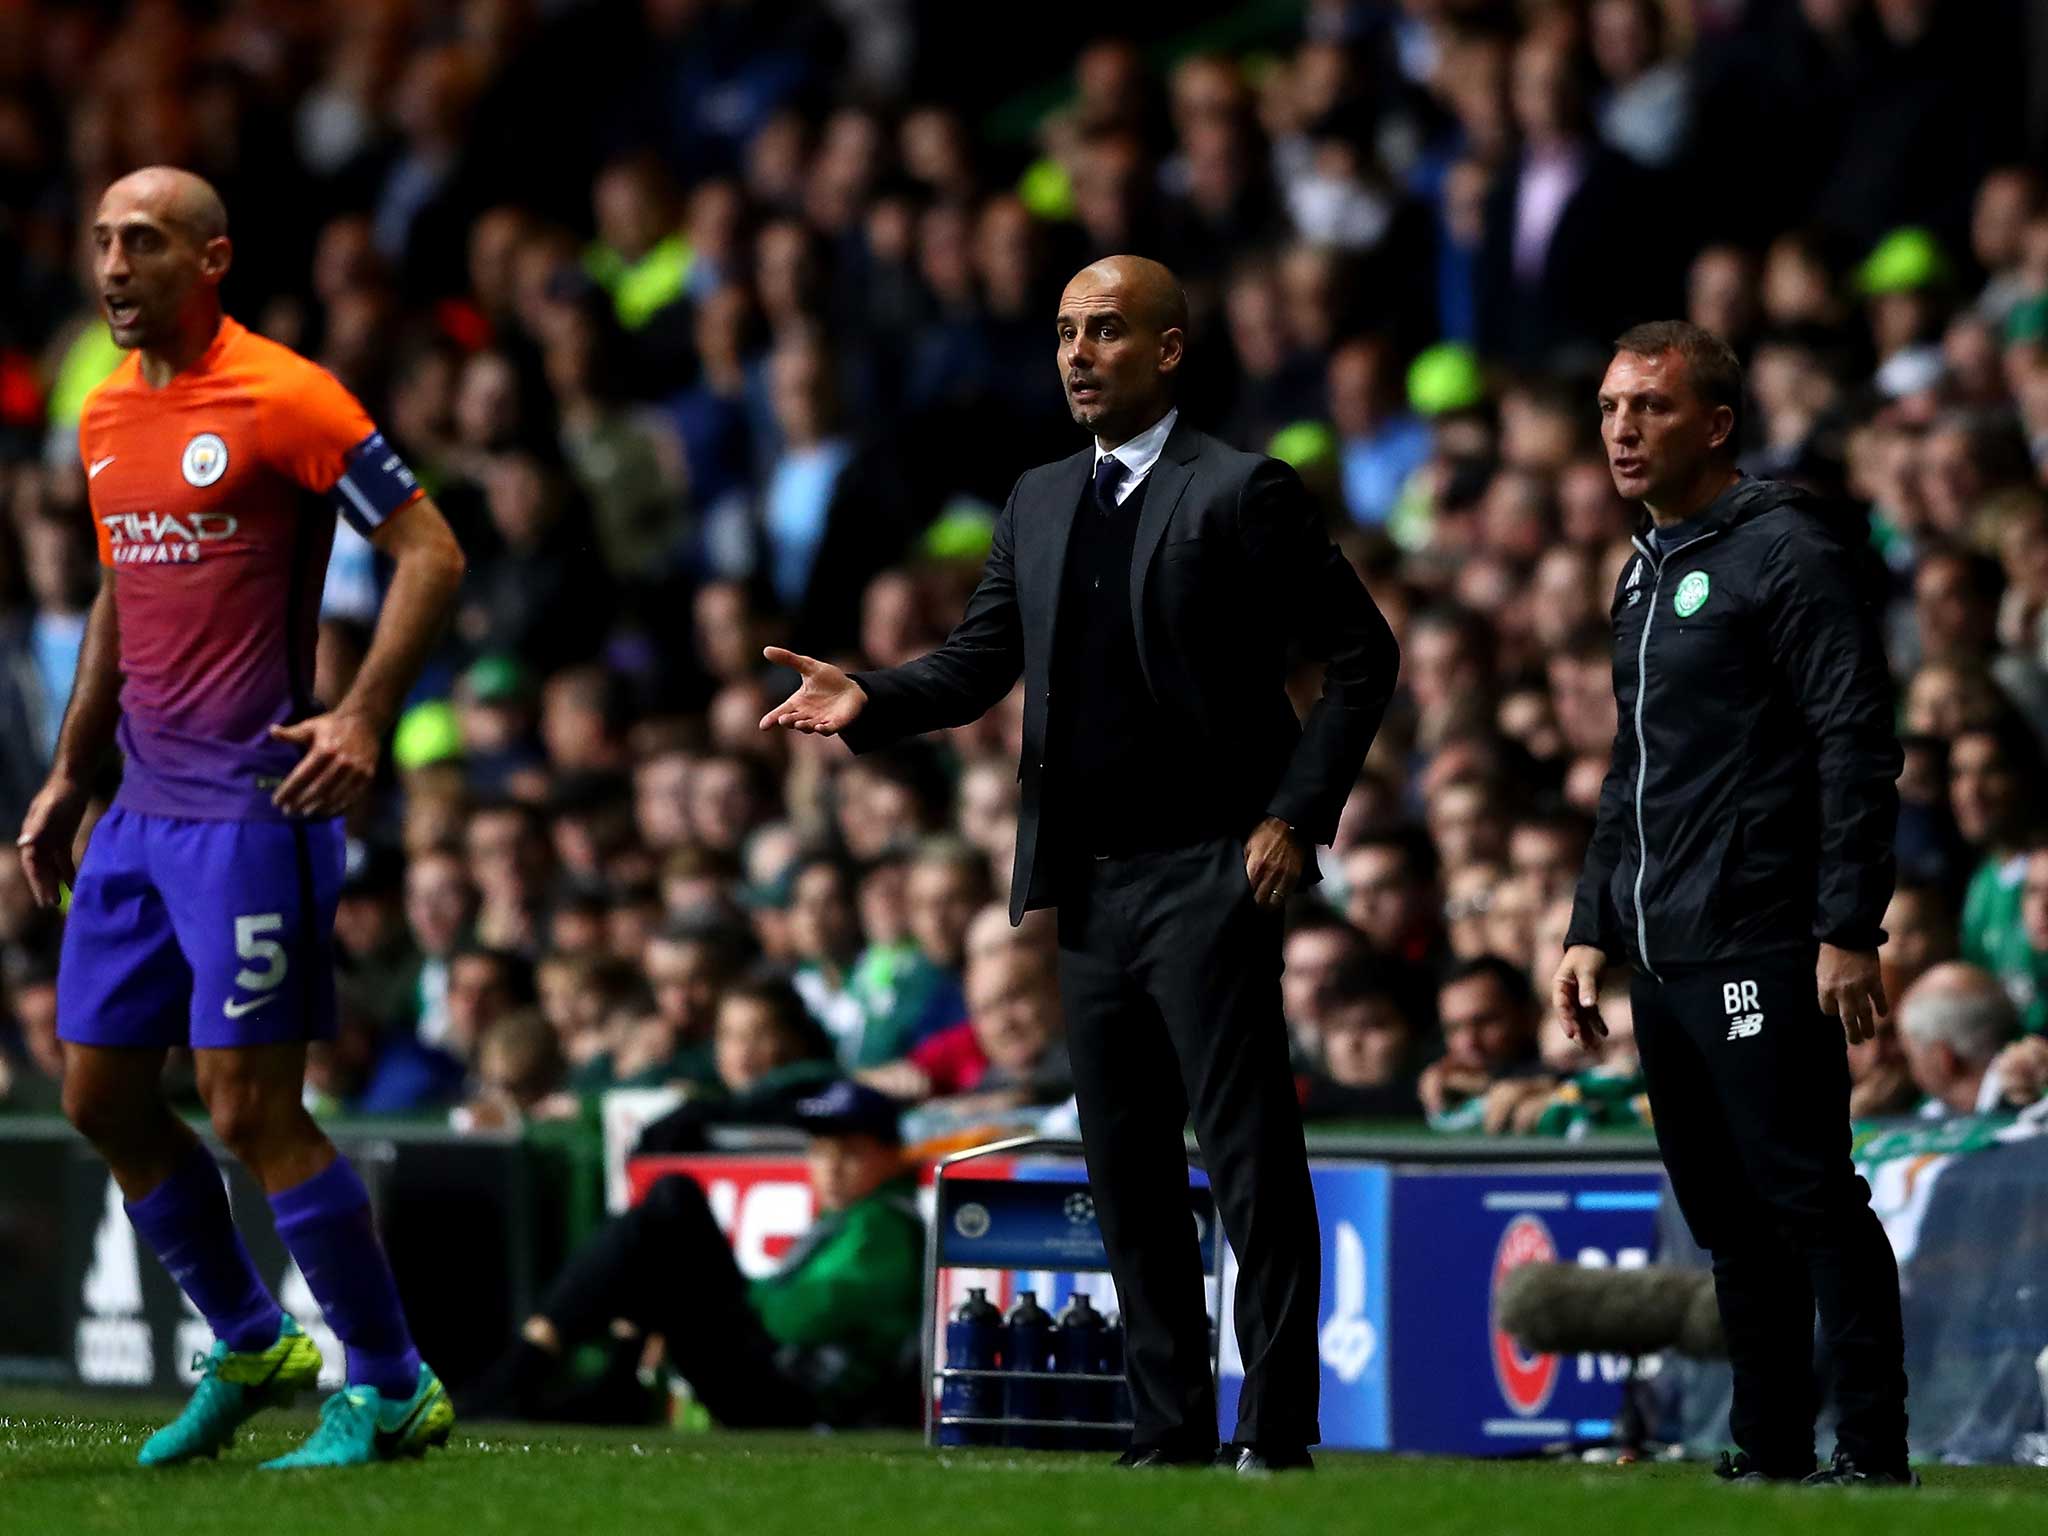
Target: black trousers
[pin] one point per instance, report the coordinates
(666, 1268)
(1749, 1086)
(1170, 981)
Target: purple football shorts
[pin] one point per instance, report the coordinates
(205, 933)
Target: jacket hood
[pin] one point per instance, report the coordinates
(1750, 498)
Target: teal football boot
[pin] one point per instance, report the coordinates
(232, 1389)
(359, 1425)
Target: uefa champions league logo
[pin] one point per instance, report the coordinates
(971, 1220)
(1080, 1208)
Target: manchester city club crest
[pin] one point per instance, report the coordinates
(206, 459)
(1691, 595)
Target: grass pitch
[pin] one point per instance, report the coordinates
(67, 1464)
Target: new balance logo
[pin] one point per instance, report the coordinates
(1635, 574)
(1739, 1002)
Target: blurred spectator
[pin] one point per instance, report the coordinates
(2024, 971)
(1920, 933)
(1880, 1074)
(687, 964)
(1318, 945)
(1644, 111)
(1382, 445)
(1553, 220)
(31, 1060)
(1954, 1022)
(511, 861)
(910, 988)
(1007, 1053)
(1989, 769)
(1548, 851)
(520, 1075)
(483, 986)
(544, 595)
(440, 906)
(799, 494)
(1368, 1043)
(824, 941)
(768, 1054)
(377, 964)
(39, 645)
(1487, 1013)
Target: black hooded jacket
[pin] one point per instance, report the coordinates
(1752, 799)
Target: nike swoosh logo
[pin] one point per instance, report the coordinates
(390, 1442)
(235, 1010)
(99, 464)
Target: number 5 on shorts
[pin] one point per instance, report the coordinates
(250, 945)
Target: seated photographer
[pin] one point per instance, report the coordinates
(823, 1340)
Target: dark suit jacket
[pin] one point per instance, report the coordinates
(1231, 565)
(1591, 285)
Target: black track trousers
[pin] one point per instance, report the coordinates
(1749, 1086)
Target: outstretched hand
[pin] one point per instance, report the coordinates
(824, 704)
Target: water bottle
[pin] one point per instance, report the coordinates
(1077, 1351)
(1029, 1394)
(974, 1342)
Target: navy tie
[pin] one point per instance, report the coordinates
(1109, 474)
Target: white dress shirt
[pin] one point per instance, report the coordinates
(1139, 454)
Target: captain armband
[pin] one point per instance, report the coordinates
(374, 484)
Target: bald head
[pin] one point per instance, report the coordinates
(171, 196)
(1148, 288)
(1122, 331)
(160, 250)
(1960, 1006)
(1952, 1022)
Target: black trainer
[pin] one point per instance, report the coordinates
(1844, 1471)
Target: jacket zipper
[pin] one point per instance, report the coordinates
(1642, 742)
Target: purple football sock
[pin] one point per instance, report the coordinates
(186, 1222)
(325, 1222)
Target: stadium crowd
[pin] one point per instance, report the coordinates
(715, 324)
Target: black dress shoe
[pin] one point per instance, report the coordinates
(1164, 1456)
(1846, 1471)
(1257, 1460)
(1741, 1467)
